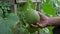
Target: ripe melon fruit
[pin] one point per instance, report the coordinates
(31, 16)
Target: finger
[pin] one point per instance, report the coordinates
(37, 23)
(42, 25)
(35, 26)
(39, 13)
(41, 16)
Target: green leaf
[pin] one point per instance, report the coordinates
(8, 24)
(30, 4)
(1, 12)
(47, 1)
(48, 10)
(22, 30)
(32, 30)
(44, 30)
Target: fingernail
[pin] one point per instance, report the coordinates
(40, 24)
(37, 23)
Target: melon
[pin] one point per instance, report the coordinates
(31, 16)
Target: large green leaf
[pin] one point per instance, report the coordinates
(8, 24)
(48, 10)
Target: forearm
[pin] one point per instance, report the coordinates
(55, 21)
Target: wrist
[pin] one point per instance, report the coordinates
(50, 22)
(54, 21)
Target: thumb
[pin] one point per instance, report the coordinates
(42, 16)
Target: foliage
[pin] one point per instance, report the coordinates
(5, 7)
(48, 7)
(8, 24)
(8, 20)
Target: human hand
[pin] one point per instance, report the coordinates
(44, 20)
